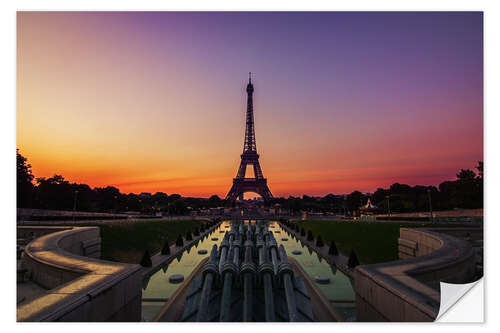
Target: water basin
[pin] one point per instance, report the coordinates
(158, 286)
(339, 289)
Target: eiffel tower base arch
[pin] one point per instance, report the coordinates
(241, 186)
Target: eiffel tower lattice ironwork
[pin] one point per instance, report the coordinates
(249, 157)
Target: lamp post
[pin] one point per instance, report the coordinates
(430, 205)
(388, 205)
(345, 199)
(74, 204)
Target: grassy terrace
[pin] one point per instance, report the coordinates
(373, 242)
(126, 241)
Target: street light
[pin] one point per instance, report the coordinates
(344, 205)
(388, 205)
(430, 204)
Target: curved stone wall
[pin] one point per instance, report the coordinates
(408, 290)
(81, 288)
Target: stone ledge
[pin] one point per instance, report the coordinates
(408, 243)
(81, 288)
(397, 291)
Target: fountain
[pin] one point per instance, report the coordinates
(248, 276)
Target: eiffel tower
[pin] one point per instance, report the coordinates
(249, 157)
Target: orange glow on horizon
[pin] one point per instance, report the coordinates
(150, 104)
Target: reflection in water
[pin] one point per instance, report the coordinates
(339, 291)
(158, 285)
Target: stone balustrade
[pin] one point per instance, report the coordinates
(408, 290)
(80, 287)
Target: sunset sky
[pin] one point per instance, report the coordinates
(156, 101)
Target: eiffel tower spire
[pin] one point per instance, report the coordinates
(250, 144)
(241, 184)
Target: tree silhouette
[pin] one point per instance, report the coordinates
(333, 249)
(319, 242)
(177, 207)
(353, 260)
(57, 193)
(25, 187)
(480, 169)
(166, 248)
(214, 201)
(146, 260)
(179, 242)
(465, 175)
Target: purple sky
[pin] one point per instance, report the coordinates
(343, 100)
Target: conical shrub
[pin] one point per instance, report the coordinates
(319, 242)
(353, 260)
(189, 237)
(333, 249)
(310, 236)
(196, 232)
(179, 242)
(302, 232)
(166, 248)
(146, 260)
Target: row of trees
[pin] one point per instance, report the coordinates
(464, 192)
(57, 193)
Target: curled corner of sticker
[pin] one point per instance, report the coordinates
(452, 294)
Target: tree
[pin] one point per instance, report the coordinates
(479, 179)
(174, 197)
(108, 198)
(353, 260)
(333, 249)
(214, 201)
(25, 187)
(355, 200)
(469, 189)
(295, 204)
(146, 260)
(54, 193)
(466, 175)
(177, 207)
(480, 169)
